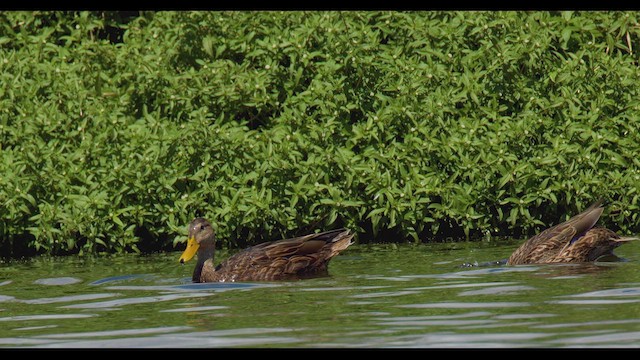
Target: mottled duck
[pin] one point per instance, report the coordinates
(289, 259)
(575, 240)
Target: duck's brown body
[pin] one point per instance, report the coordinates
(296, 258)
(574, 240)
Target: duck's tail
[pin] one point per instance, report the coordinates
(626, 238)
(584, 221)
(340, 242)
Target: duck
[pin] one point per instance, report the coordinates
(573, 241)
(288, 259)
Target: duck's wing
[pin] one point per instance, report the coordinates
(296, 257)
(595, 243)
(547, 244)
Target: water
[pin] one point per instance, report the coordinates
(376, 296)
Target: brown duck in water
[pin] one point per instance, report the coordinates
(575, 240)
(288, 259)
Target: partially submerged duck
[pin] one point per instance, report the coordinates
(288, 259)
(575, 240)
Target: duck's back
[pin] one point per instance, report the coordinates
(547, 245)
(295, 258)
(593, 244)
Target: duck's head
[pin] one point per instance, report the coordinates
(201, 239)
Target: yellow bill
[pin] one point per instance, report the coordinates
(192, 248)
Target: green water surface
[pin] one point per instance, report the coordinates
(375, 296)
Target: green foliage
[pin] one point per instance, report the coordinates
(117, 129)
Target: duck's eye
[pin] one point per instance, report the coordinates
(201, 227)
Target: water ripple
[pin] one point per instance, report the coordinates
(620, 339)
(212, 286)
(26, 342)
(470, 273)
(135, 300)
(171, 342)
(432, 317)
(461, 285)
(499, 325)
(634, 291)
(58, 281)
(197, 308)
(588, 323)
(69, 298)
(591, 302)
(464, 305)
(461, 321)
(127, 332)
(116, 278)
(208, 339)
(523, 316)
(6, 298)
(220, 286)
(344, 288)
(436, 322)
(35, 327)
(46, 317)
(451, 340)
(384, 294)
(495, 290)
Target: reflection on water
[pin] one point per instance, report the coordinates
(240, 337)
(375, 296)
(58, 281)
(465, 305)
(196, 308)
(503, 290)
(112, 279)
(616, 339)
(70, 298)
(45, 317)
(133, 300)
(634, 291)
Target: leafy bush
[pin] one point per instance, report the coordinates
(117, 128)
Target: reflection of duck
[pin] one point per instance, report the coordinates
(294, 258)
(572, 270)
(574, 240)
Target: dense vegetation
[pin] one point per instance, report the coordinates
(117, 129)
